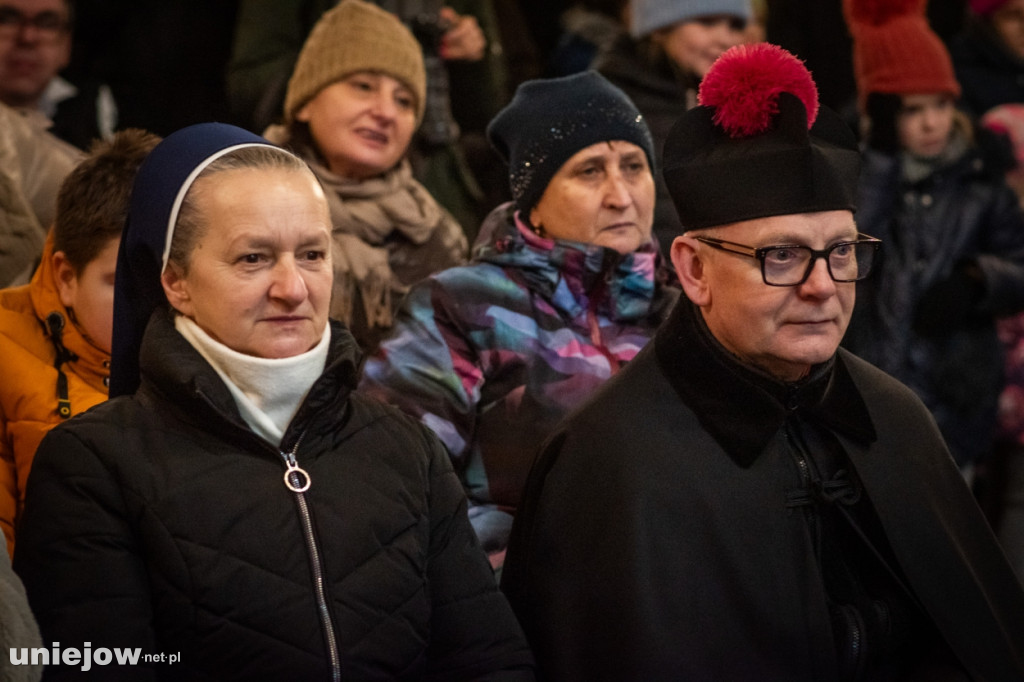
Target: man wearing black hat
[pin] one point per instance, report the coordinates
(746, 501)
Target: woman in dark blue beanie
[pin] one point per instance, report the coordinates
(237, 512)
(565, 286)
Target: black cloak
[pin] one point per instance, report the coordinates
(660, 537)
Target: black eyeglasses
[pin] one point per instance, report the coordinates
(789, 265)
(48, 25)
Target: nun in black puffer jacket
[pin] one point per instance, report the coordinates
(237, 507)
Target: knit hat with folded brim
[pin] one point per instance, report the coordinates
(647, 16)
(550, 119)
(895, 51)
(356, 36)
(758, 144)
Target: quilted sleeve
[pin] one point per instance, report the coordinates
(474, 635)
(79, 559)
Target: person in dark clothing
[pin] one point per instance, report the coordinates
(35, 48)
(164, 62)
(953, 228)
(660, 65)
(816, 33)
(988, 55)
(235, 502)
(589, 28)
(745, 500)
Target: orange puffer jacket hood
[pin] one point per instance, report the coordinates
(29, 404)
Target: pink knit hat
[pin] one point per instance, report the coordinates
(1008, 120)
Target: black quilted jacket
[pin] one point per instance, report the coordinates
(161, 521)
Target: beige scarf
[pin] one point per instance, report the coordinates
(365, 214)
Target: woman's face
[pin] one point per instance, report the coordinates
(925, 123)
(604, 195)
(259, 278)
(89, 293)
(1008, 22)
(694, 45)
(361, 124)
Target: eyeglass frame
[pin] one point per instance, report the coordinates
(60, 25)
(759, 253)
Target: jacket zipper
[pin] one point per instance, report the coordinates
(851, 663)
(298, 481)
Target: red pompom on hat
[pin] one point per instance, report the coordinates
(744, 84)
(758, 144)
(895, 51)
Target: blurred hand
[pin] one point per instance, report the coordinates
(465, 39)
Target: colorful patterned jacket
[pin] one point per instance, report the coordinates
(491, 355)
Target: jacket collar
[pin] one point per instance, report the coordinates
(743, 408)
(90, 363)
(639, 65)
(572, 275)
(170, 365)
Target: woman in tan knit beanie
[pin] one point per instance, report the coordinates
(353, 102)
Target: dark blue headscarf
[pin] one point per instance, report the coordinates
(161, 184)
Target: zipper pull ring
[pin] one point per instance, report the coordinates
(300, 482)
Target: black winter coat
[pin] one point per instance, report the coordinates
(988, 74)
(161, 521)
(677, 528)
(962, 214)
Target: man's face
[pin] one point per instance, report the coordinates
(35, 44)
(781, 330)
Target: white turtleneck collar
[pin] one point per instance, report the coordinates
(267, 391)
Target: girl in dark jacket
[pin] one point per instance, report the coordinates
(953, 256)
(236, 508)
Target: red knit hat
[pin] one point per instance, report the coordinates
(895, 51)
